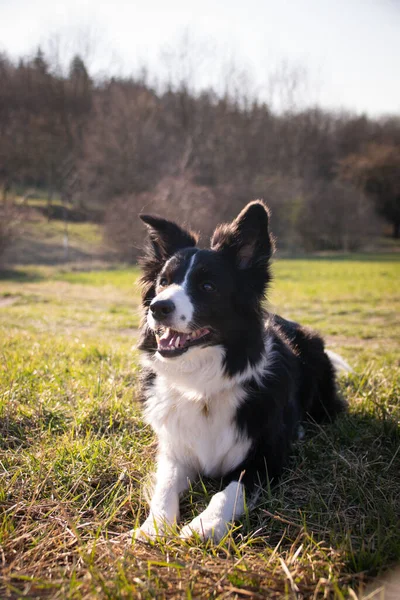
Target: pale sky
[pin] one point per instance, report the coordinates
(350, 49)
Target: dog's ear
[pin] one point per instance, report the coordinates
(166, 237)
(247, 238)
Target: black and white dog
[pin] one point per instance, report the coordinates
(226, 385)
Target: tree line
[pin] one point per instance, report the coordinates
(116, 146)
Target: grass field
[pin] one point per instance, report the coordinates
(74, 453)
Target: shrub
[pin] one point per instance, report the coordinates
(196, 207)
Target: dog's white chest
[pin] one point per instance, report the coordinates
(200, 433)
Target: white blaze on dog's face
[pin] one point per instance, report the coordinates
(174, 313)
(172, 303)
(174, 297)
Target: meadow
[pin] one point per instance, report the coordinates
(75, 453)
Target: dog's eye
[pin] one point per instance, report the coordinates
(207, 286)
(163, 282)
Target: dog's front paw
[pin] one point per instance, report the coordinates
(206, 528)
(149, 530)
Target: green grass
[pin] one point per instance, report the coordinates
(75, 455)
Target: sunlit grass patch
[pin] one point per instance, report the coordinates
(75, 454)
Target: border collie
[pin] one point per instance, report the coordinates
(226, 384)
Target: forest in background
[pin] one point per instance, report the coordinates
(109, 148)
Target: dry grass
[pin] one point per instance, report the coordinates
(74, 452)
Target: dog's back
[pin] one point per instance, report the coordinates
(318, 394)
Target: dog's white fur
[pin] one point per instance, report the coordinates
(199, 372)
(191, 409)
(184, 308)
(338, 363)
(224, 508)
(179, 296)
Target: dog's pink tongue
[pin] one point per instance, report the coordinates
(172, 339)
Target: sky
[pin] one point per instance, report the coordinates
(345, 54)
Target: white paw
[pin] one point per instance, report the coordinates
(206, 528)
(150, 530)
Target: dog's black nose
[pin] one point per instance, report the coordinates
(161, 309)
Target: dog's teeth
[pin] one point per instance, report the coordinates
(166, 334)
(178, 339)
(157, 338)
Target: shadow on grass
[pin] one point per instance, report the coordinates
(343, 489)
(36, 252)
(22, 432)
(340, 491)
(30, 251)
(19, 276)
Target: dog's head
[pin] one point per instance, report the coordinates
(196, 298)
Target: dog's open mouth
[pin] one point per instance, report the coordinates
(172, 343)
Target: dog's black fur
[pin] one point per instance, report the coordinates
(226, 286)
